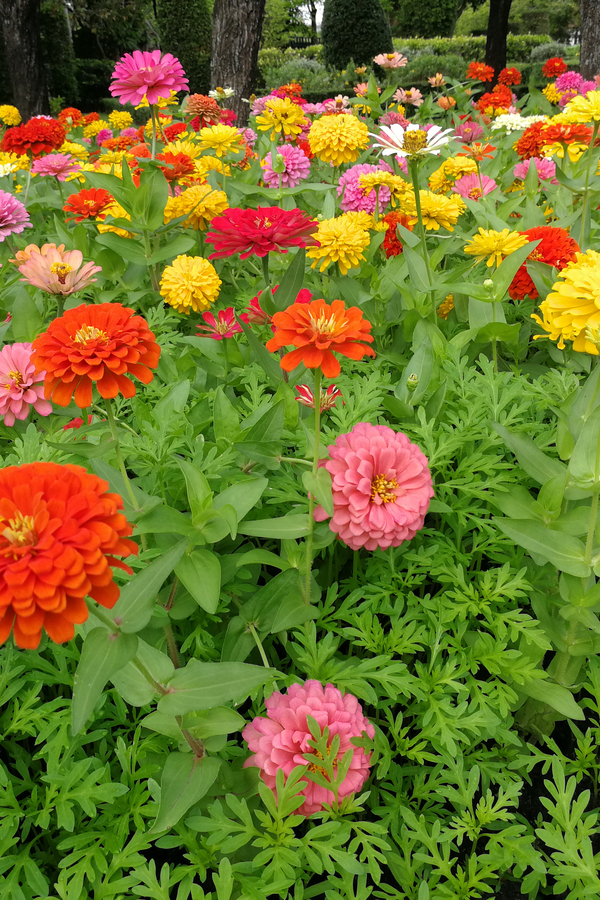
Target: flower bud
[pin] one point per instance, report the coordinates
(412, 381)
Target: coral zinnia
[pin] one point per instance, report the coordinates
(201, 203)
(20, 386)
(494, 245)
(99, 344)
(381, 487)
(147, 75)
(190, 282)
(509, 77)
(61, 532)
(392, 245)
(258, 231)
(338, 139)
(572, 310)
(58, 272)
(474, 186)
(280, 740)
(87, 203)
(38, 135)
(178, 165)
(205, 107)
(556, 248)
(554, 67)
(532, 141)
(281, 116)
(13, 215)
(339, 240)
(478, 71)
(318, 331)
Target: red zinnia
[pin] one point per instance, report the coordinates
(36, 136)
(100, 344)
(480, 72)
(532, 141)
(258, 231)
(173, 131)
(90, 117)
(87, 204)
(556, 248)
(499, 98)
(305, 147)
(554, 67)
(319, 330)
(177, 165)
(509, 76)
(392, 244)
(61, 531)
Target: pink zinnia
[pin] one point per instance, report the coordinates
(280, 740)
(546, 169)
(58, 165)
(412, 97)
(260, 231)
(570, 81)
(586, 86)
(381, 487)
(297, 167)
(147, 74)
(566, 97)
(249, 136)
(390, 60)
(105, 135)
(13, 215)
(467, 132)
(223, 327)
(474, 186)
(354, 196)
(393, 118)
(128, 132)
(20, 386)
(58, 272)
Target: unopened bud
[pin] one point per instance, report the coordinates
(412, 381)
(488, 283)
(278, 163)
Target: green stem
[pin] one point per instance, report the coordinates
(258, 643)
(153, 114)
(311, 500)
(494, 342)
(121, 463)
(265, 268)
(60, 191)
(196, 746)
(173, 651)
(413, 167)
(589, 544)
(148, 253)
(60, 305)
(586, 195)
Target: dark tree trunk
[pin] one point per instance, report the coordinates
(237, 27)
(312, 6)
(495, 46)
(589, 57)
(21, 33)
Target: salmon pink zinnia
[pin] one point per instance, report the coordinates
(381, 487)
(147, 74)
(58, 272)
(21, 387)
(280, 739)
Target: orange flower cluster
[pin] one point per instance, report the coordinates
(392, 245)
(70, 117)
(556, 248)
(532, 141)
(119, 143)
(478, 71)
(291, 90)
(36, 136)
(509, 77)
(499, 98)
(554, 67)
(87, 204)
(178, 165)
(59, 533)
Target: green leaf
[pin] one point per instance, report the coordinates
(417, 270)
(264, 558)
(200, 573)
(584, 465)
(165, 520)
(535, 462)
(135, 606)
(26, 321)
(269, 426)
(505, 272)
(206, 685)
(150, 199)
(320, 487)
(127, 248)
(198, 489)
(565, 552)
(185, 780)
(180, 244)
(283, 528)
(103, 654)
(509, 334)
(132, 685)
(226, 419)
(265, 452)
(555, 695)
(243, 496)
(266, 360)
(291, 283)
(263, 608)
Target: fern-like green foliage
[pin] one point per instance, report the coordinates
(354, 29)
(185, 31)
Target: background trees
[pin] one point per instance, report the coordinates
(236, 31)
(185, 31)
(354, 29)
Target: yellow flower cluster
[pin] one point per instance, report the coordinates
(190, 283)
(220, 138)
(10, 115)
(341, 240)
(398, 187)
(77, 150)
(551, 94)
(115, 211)
(207, 164)
(188, 147)
(365, 220)
(281, 116)
(171, 100)
(93, 128)
(338, 139)
(572, 310)
(446, 307)
(442, 180)
(583, 109)
(437, 211)
(200, 203)
(494, 246)
(120, 118)
(20, 163)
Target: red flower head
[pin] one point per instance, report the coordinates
(567, 134)
(70, 117)
(392, 244)
(554, 67)
(228, 117)
(509, 76)
(258, 231)
(556, 248)
(100, 344)
(305, 147)
(178, 165)
(291, 90)
(87, 204)
(140, 151)
(60, 533)
(91, 117)
(37, 136)
(318, 331)
(478, 71)
(218, 328)
(499, 98)
(532, 141)
(173, 131)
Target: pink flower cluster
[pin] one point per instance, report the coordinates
(354, 196)
(546, 169)
(147, 74)
(21, 387)
(571, 84)
(225, 326)
(474, 187)
(381, 487)
(14, 218)
(57, 165)
(280, 740)
(296, 167)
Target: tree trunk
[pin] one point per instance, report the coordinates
(21, 32)
(589, 57)
(237, 27)
(495, 46)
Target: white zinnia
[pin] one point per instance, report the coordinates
(391, 140)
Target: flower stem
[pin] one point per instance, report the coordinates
(589, 544)
(258, 643)
(265, 268)
(413, 167)
(113, 430)
(586, 194)
(153, 114)
(311, 499)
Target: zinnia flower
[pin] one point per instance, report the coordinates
(225, 326)
(255, 314)
(554, 67)
(281, 116)
(509, 77)
(38, 135)
(147, 75)
(583, 109)
(328, 396)
(446, 103)
(478, 71)
(390, 60)
(101, 344)
(296, 167)
(58, 272)
(62, 531)
(532, 141)
(546, 169)
(445, 307)
(355, 196)
(280, 740)
(339, 240)
(571, 312)
(381, 487)
(201, 203)
(556, 248)
(220, 138)
(411, 141)
(87, 204)
(9, 115)
(338, 139)
(392, 245)
(14, 218)
(411, 97)
(190, 282)
(499, 100)
(120, 119)
(569, 81)
(474, 186)
(437, 211)
(494, 245)
(20, 386)
(205, 107)
(258, 231)
(318, 331)
(468, 132)
(58, 165)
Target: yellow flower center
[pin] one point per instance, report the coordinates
(17, 379)
(389, 55)
(20, 531)
(326, 325)
(383, 487)
(90, 333)
(475, 193)
(313, 767)
(62, 270)
(414, 141)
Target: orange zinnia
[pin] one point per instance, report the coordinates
(319, 330)
(532, 141)
(100, 344)
(60, 529)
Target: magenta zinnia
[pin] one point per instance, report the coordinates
(258, 231)
(225, 326)
(59, 165)
(147, 74)
(13, 215)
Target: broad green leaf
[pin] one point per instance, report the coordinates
(243, 496)
(505, 272)
(268, 361)
(264, 558)
(320, 487)
(238, 643)
(133, 686)
(26, 321)
(165, 520)
(268, 427)
(103, 654)
(417, 269)
(263, 608)
(226, 419)
(555, 695)
(180, 244)
(150, 199)
(265, 452)
(509, 334)
(564, 551)
(200, 573)
(291, 283)
(535, 462)
(584, 465)
(185, 780)
(199, 492)
(128, 248)
(206, 685)
(215, 524)
(135, 606)
(283, 528)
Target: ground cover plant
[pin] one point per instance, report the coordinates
(299, 492)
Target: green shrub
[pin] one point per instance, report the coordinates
(185, 30)
(58, 54)
(354, 29)
(427, 64)
(519, 46)
(274, 57)
(93, 78)
(425, 20)
(547, 51)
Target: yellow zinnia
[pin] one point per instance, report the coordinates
(220, 138)
(341, 240)
(77, 150)
(190, 282)
(572, 310)
(338, 139)
(207, 164)
(494, 245)
(583, 109)
(551, 94)
(442, 180)
(365, 220)
(93, 128)
(200, 203)
(437, 211)
(281, 115)
(171, 100)
(446, 307)
(10, 115)
(19, 163)
(115, 211)
(181, 146)
(120, 118)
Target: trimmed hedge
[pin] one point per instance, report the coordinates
(519, 46)
(354, 29)
(185, 31)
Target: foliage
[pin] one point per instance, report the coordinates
(557, 18)
(354, 30)
(57, 49)
(519, 46)
(434, 19)
(282, 23)
(185, 31)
